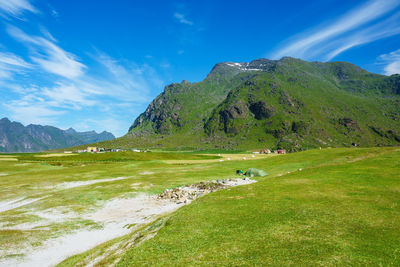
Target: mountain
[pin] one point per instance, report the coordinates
(15, 137)
(287, 103)
(91, 136)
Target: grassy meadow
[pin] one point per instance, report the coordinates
(319, 207)
(342, 212)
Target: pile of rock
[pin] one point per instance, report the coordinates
(188, 193)
(178, 195)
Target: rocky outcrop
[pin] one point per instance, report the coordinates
(188, 193)
(261, 110)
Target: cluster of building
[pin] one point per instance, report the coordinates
(92, 149)
(267, 151)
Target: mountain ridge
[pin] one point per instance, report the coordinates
(288, 103)
(15, 137)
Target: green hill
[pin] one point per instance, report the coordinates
(287, 103)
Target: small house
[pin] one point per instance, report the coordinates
(265, 151)
(281, 151)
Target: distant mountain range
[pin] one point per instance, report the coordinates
(15, 137)
(287, 103)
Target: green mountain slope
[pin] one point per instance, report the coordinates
(288, 103)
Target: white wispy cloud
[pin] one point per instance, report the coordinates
(16, 7)
(129, 81)
(73, 88)
(10, 63)
(118, 84)
(344, 33)
(48, 55)
(45, 105)
(67, 96)
(182, 18)
(385, 28)
(31, 109)
(54, 13)
(391, 62)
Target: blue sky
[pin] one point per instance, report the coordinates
(96, 64)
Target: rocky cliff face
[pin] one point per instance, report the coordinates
(287, 103)
(15, 137)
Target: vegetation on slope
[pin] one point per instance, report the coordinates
(288, 103)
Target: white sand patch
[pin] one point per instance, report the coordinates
(146, 173)
(68, 185)
(56, 250)
(47, 217)
(115, 215)
(133, 210)
(3, 174)
(136, 185)
(54, 215)
(55, 155)
(16, 203)
(23, 227)
(8, 159)
(237, 182)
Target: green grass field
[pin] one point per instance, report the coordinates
(337, 213)
(342, 208)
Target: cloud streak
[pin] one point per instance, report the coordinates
(10, 63)
(48, 55)
(344, 32)
(129, 81)
(117, 84)
(182, 19)
(16, 7)
(30, 109)
(391, 61)
(54, 86)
